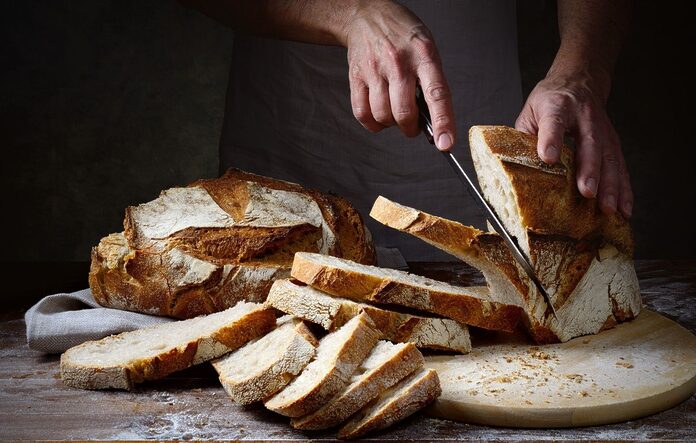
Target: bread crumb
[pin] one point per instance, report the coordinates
(624, 364)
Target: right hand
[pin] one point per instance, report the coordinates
(390, 51)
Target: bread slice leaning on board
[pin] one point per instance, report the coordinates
(332, 312)
(386, 365)
(202, 248)
(474, 305)
(265, 365)
(590, 277)
(394, 404)
(120, 361)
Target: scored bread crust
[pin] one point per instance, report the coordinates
(318, 383)
(546, 196)
(202, 248)
(246, 323)
(472, 306)
(565, 266)
(365, 386)
(295, 350)
(332, 312)
(171, 282)
(396, 403)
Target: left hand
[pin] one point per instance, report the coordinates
(571, 104)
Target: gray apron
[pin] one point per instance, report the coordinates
(289, 116)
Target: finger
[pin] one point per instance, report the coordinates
(359, 100)
(625, 192)
(552, 127)
(525, 121)
(402, 95)
(588, 158)
(608, 193)
(437, 94)
(380, 103)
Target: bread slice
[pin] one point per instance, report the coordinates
(386, 365)
(333, 312)
(592, 286)
(122, 360)
(394, 404)
(338, 354)
(264, 366)
(473, 305)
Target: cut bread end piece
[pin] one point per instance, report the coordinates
(396, 403)
(471, 305)
(264, 366)
(386, 365)
(337, 356)
(332, 312)
(122, 360)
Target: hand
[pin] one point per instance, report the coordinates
(562, 104)
(389, 51)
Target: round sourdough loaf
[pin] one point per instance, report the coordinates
(202, 248)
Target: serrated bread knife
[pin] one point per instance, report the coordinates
(481, 202)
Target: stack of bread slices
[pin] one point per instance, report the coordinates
(350, 378)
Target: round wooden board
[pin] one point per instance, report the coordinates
(633, 370)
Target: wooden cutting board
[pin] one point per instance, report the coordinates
(635, 369)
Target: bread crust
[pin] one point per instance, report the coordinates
(547, 197)
(124, 376)
(196, 250)
(471, 306)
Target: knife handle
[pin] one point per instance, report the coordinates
(424, 116)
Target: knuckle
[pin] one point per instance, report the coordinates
(553, 119)
(383, 118)
(404, 115)
(441, 120)
(437, 92)
(361, 114)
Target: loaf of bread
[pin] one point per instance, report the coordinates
(332, 312)
(202, 248)
(585, 262)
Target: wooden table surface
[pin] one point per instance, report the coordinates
(35, 405)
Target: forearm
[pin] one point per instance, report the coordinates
(309, 21)
(592, 32)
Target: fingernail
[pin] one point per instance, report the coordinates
(610, 201)
(627, 209)
(591, 184)
(551, 152)
(444, 141)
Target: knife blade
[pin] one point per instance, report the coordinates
(483, 205)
